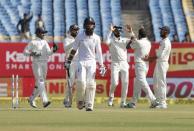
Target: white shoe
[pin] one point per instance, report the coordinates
(162, 106)
(110, 101)
(32, 103)
(89, 107)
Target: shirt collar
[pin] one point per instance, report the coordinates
(117, 39)
(69, 36)
(37, 38)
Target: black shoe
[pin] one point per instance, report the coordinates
(67, 104)
(154, 104)
(131, 105)
(89, 109)
(80, 105)
(46, 104)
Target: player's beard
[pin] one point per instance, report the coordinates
(74, 34)
(89, 31)
(41, 36)
(162, 35)
(117, 34)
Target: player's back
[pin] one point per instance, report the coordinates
(142, 49)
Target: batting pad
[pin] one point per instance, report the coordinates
(81, 87)
(90, 94)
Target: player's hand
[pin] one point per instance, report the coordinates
(67, 64)
(103, 71)
(55, 47)
(112, 27)
(128, 28)
(146, 58)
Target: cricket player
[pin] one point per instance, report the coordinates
(161, 68)
(89, 46)
(40, 51)
(68, 44)
(141, 49)
(119, 65)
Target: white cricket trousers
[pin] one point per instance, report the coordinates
(121, 68)
(140, 82)
(40, 72)
(86, 85)
(159, 79)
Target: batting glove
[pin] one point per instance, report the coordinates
(36, 54)
(103, 71)
(55, 47)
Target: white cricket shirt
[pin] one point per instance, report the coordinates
(141, 48)
(38, 45)
(89, 47)
(117, 47)
(163, 52)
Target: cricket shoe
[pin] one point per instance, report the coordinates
(32, 103)
(123, 105)
(131, 105)
(89, 109)
(67, 104)
(80, 105)
(46, 104)
(154, 104)
(110, 101)
(162, 106)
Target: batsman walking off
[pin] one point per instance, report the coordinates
(68, 45)
(161, 68)
(40, 51)
(88, 45)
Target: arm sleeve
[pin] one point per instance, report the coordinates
(131, 34)
(48, 49)
(30, 17)
(28, 49)
(99, 52)
(162, 50)
(76, 44)
(126, 41)
(67, 45)
(134, 44)
(108, 38)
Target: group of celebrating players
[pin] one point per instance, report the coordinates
(83, 49)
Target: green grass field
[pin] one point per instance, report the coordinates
(178, 117)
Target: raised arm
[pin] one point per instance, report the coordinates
(28, 49)
(132, 37)
(108, 38)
